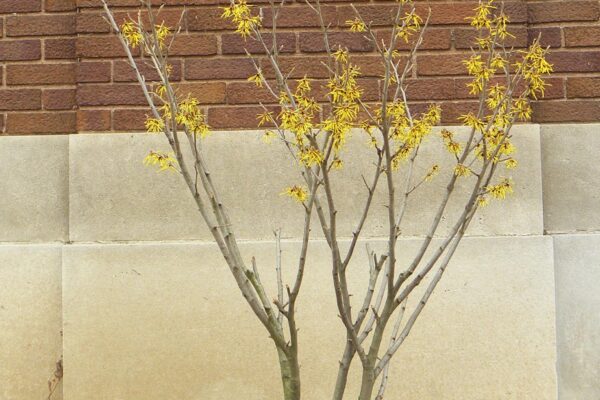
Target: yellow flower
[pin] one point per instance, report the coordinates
(257, 79)
(311, 156)
(264, 118)
(511, 163)
(268, 136)
(165, 161)
(154, 125)
(131, 33)
(435, 169)
(462, 170)
(341, 55)
(501, 190)
(356, 25)
(482, 201)
(297, 193)
(472, 121)
(162, 31)
(239, 12)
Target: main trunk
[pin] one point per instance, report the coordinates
(290, 375)
(368, 383)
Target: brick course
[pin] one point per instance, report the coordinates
(64, 72)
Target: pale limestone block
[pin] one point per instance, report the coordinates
(30, 320)
(167, 322)
(114, 197)
(571, 177)
(577, 260)
(34, 186)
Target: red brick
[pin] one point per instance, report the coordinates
(583, 87)
(442, 64)
(563, 111)
(92, 23)
(555, 11)
(221, 68)
(549, 37)
(40, 25)
(130, 3)
(312, 42)
(130, 119)
(441, 13)
(452, 110)
(40, 74)
(59, 99)
(60, 49)
(205, 92)
(234, 44)
(583, 61)
(124, 73)
(20, 6)
(93, 120)
(110, 95)
(430, 89)
(60, 5)
(207, 19)
(42, 123)
(433, 39)
(235, 117)
(580, 36)
(170, 17)
(20, 50)
(555, 88)
(249, 93)
(100, 47)
(93, 71)
(20, 99)
(464, 38)
(194, 45)
(300, 16)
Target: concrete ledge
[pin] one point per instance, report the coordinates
(166, 321)
(571, 177)
(34, 185)
(577, 262)
(114, 197)
(30, 320)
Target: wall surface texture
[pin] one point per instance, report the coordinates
(105, 263)
(64, 71)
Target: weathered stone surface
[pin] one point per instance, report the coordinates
(167, 321)
(34, 186)
(30, 320)
(571, 177)
(577, 263)
(114, 197)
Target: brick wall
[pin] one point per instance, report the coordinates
(64, 72)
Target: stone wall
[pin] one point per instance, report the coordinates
(104, 261)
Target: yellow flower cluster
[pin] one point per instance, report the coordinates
(298, 114)
(534, 67)
(435, 169)
(165, 161)
(345, 95)
(132, 34)
(501, 190)
(356, 25)
(155, 125)
(297, 193)
(409, 25)
(453, 146)
(240, 13)
(190, 116)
